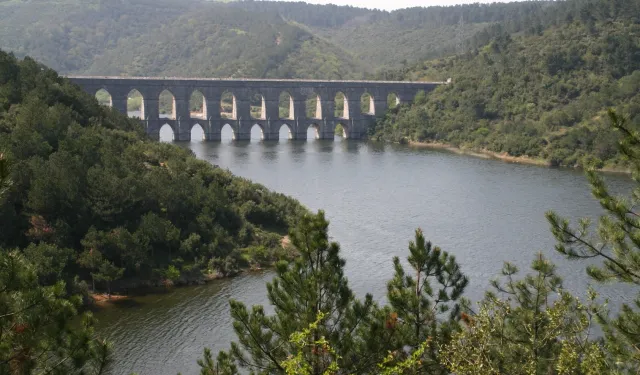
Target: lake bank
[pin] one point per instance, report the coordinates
(503, 156)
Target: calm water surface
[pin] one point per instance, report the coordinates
(483, 211)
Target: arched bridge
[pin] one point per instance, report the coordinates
(243, 103)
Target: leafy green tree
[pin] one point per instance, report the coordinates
(39, 328)
(426, 305)
(302, 289)
(616, 242)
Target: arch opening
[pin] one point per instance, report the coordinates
(228, 105)
(258, 107)
(285, 106)
(367, 105)
(257, 133)
(341, 130)
(393, 100)
(341, 107)
(227, 133)
(135, 104)
(166, 133)
(197, 133)
(198, 105)
(313, 106)
(104, 98)
(285, 132)
(313, 132)
(167, 105)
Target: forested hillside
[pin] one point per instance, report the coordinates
(540, 95)
(246, 38)
(92, 197)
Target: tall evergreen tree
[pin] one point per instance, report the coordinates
(311, 285)
(426, 305)
(616, 242)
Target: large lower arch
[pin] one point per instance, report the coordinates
(345, 130)
(228, 107)
(313, 131)
(167, 105)
(285, 106)
(257, 133)
(135, 104)
(104, 98)
(341, 108)
(197, 105)
(197, 133)
(367, 104)
(227, 133)
(166, 133)
(285, 132)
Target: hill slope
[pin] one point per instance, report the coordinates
(541, 96)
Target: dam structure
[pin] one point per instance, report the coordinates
(244, 103)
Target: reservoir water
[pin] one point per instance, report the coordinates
(375, 195)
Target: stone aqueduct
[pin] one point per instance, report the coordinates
(211, 120)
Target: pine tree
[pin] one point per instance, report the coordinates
(5, 182)
(39, 329)
(539, 328)
(426, 307)
(617, 243)
(311, 285)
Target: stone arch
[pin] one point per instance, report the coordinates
(288, 129)
(104, 97)
(341, 107)
(167, 105)
(285, 106)
(199, 132)
(314, 129)
(393, 100)
(367, 104)
(313, 105)
(197, 105)
(166, 133)
(225, 130)
(345, 129)
(228, 105)
(135, 104)
(254, 134)
(257, 106)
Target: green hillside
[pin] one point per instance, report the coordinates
(540, 96)
(245, 38)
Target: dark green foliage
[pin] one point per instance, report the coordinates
(426, 301)
(86, 178)
(39, 328)
(538, 96)
(616, 242)
(313, 283)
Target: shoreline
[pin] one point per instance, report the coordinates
(502, 156)
(101, 300)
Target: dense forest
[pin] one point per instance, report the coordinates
(542, 94)
(92, 197)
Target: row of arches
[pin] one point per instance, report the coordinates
(228, 106)
(257, 133)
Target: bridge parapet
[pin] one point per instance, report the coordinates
(323, 117)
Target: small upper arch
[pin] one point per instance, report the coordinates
(104, 97)
(198, 105)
